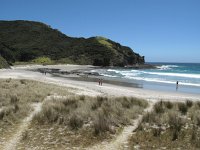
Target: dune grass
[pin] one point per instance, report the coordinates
(169, 126)
(82, 120)
(16, 97)
(66, 120)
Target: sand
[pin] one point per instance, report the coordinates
(92, 88)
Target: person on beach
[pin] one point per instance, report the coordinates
(176, 85)
(99, 81)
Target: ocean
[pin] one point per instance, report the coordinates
(163, 77)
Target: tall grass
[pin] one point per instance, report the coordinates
(102, 112)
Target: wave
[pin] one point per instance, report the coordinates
(166, 67)
(107, 75)
(123, 71)
(175, 74)
(161, 81)
(137, 73)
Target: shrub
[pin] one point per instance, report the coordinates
(149, 117)
(48, 115)
(98, 102)
(15, 108)
(157, 132)
(9, 80)
(175, 124)
(198, 120)
(13, 99)
(23, 81)
(94, 106)
(189, 103)
(42, 60)
(159, 108)
(2, 113)
(75, 122)
(82, 97)
(70, 102)
(182, 108)
(126, 103)
(168, 105)
(25, 135)
(101, 123)
(194, 133)
(198, 103)
(101, 99)
(139, 102)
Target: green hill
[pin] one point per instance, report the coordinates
(3, 63)
(27, 41)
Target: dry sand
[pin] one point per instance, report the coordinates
(91, 88)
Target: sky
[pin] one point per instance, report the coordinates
(160, 30)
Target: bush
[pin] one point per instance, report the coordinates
(101, 123)
(149, 117)
(126, 103)
(2, 113)
(82, 97)
(23, 81)
(189, 103)
(159, 108)
(13, 99)
(72, 102)
(198, 120)
(48, 115)
(43, 60)
(168, 105)
(175, 124)
(198, 103)
(157, 132)
(183, 108)
(75, 122)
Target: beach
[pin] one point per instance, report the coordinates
(84, 84)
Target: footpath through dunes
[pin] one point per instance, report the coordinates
(120, 142)
(14, 139)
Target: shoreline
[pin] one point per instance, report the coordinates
(92, 88)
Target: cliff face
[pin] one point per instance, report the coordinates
(28, 40)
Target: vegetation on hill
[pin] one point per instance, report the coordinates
(3, 63)
(27, 40)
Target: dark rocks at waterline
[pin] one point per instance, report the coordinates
(63, 72)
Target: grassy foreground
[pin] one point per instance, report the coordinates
(169, 126)
(16, 98)
(65, 120)
(81, 121)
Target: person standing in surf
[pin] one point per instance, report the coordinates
(176, 85)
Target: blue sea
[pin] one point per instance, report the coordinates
(163, 77)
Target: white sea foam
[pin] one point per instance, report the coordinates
(166, 67)
(125, 72)
(116, 71)
(161, 81)
(175, 74)
(107, 75)
(159, 77)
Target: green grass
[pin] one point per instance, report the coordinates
(3, 63)
(104, 41)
